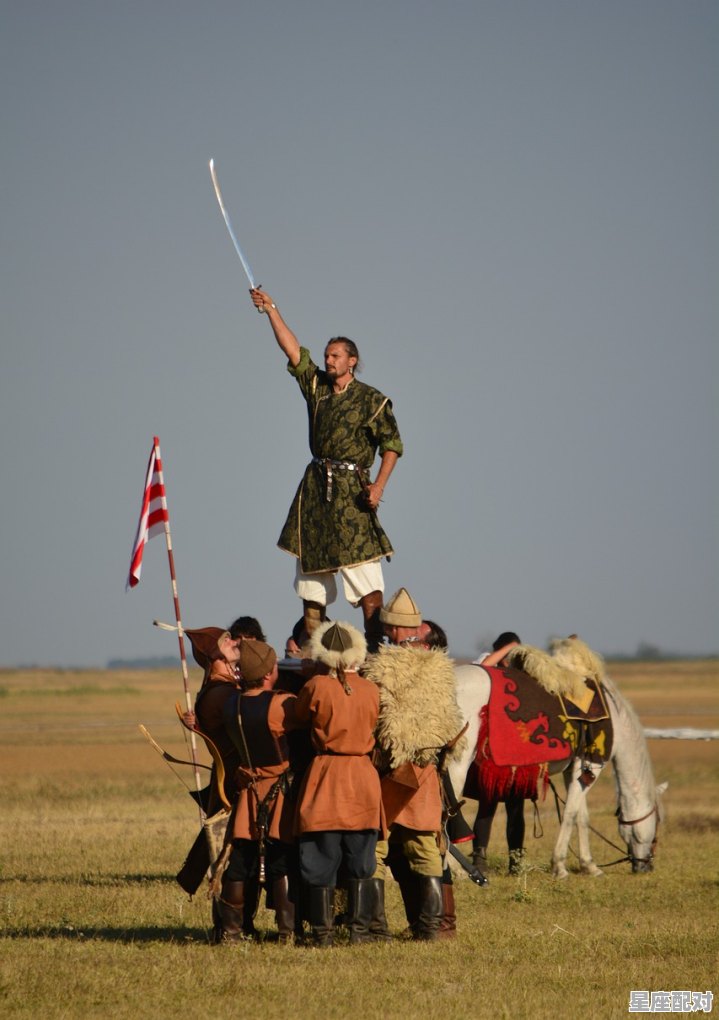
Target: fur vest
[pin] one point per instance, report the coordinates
(418, 712)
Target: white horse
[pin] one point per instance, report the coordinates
(639, 799)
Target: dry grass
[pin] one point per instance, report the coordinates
(94, 827)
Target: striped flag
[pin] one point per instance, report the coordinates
(153, 515)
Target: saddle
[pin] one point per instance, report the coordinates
(527, 732)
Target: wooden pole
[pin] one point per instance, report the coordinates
(178, 618)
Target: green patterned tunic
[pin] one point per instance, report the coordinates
(329, 524)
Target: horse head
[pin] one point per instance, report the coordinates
(642, 834)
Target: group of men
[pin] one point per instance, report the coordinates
(333, 778)
(332, 769)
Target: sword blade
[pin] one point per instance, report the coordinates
(218, 193)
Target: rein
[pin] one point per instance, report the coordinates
(622, 821)
(635, 821)
(610, 864)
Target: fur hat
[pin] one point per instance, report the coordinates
(256, 659)
(338, 644)
(205, 642)
(401, 610)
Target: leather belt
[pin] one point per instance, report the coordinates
(334, 465)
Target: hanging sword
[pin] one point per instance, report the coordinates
(226, 218)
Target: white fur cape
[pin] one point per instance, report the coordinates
(418, 712)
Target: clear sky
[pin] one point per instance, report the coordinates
(510, 205)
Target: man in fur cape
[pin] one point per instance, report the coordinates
(418, 719)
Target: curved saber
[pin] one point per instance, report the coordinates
(230, 231)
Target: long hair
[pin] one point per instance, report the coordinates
(350, 347)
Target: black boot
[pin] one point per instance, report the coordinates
(407, 881)
(448, 925)
(430, 908)
(252, 902)
(230, 913)
(301, 896)
(365, 913)
(284, 910)
(321, 915)
(378, 926)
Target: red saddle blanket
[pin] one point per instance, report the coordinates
(523, 724)
(524, 729)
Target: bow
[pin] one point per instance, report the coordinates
(216, 757)
(171, 759)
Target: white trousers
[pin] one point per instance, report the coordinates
(357, 582)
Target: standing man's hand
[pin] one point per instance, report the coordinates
(261, 300)
(284, 336)
(373, 492)
(373, 495)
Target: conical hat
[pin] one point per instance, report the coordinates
(205, 641)
(401, 610)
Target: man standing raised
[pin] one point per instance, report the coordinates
(332, 526)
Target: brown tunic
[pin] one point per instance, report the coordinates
(341, 789)
(219, 685)
(253, 785)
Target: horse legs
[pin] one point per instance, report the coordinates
(559, 855)
(586, 864)
(575, 812)
(575, 795)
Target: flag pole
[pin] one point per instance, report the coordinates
(178, 617)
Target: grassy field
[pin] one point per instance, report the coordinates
(94, 826)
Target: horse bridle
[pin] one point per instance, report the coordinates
(635, 821)
(622, 821)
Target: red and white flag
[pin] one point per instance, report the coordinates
(153, 515)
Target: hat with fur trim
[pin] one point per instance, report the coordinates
(256, 660)
(338, 644)
(401, 610)
(205, 644)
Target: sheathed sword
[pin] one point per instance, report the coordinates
(472, 872)
(230, 231)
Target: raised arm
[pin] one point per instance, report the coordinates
(495, 658)
(283, 334)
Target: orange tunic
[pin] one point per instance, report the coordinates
(254, 784)
(423, 812)
(341, 788)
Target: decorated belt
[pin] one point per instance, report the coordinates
(335, 465)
